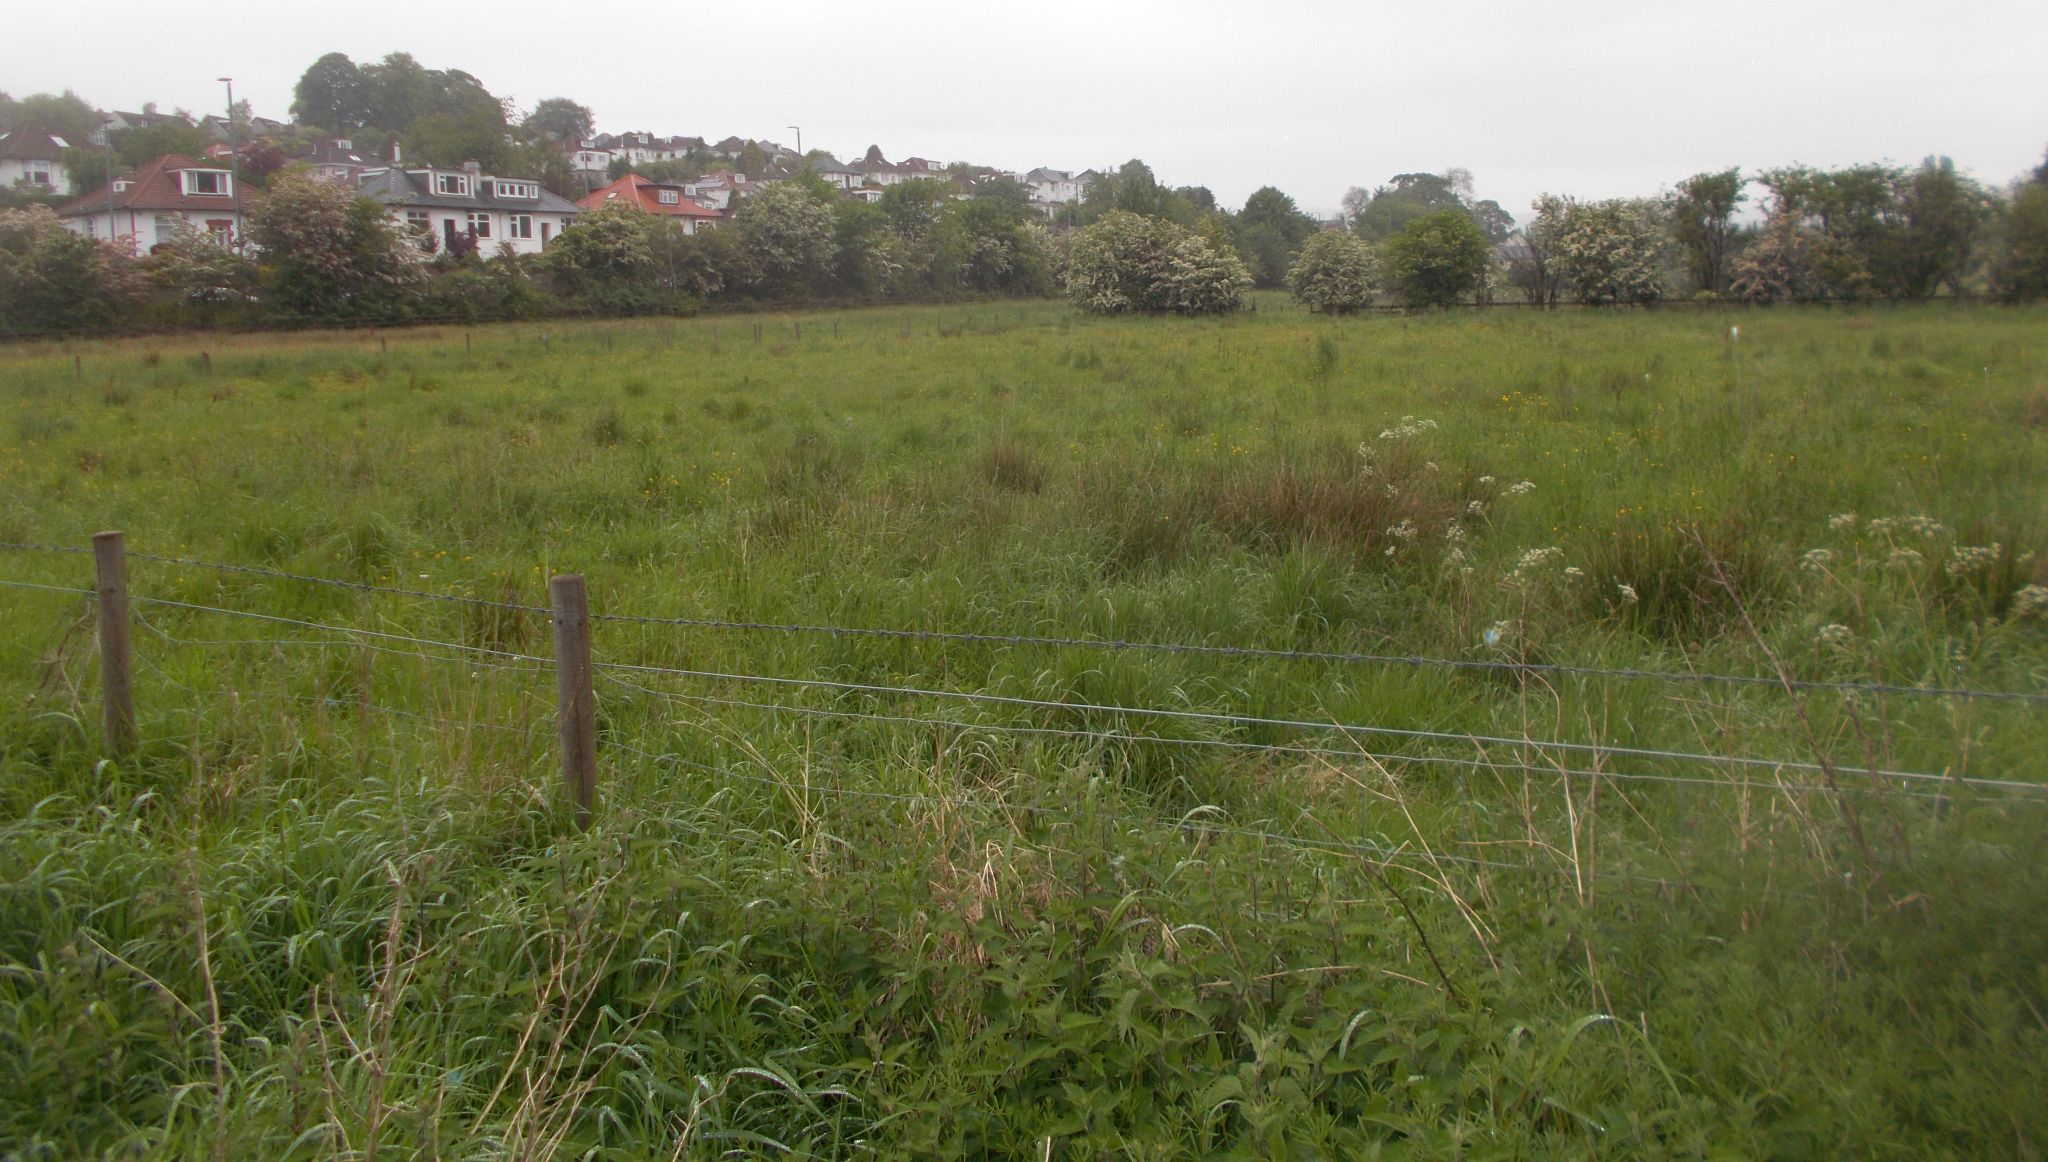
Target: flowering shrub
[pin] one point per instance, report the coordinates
(1129, 264)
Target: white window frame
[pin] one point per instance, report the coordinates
(222, 181)
(452, 185)
(518, 226)
(518, 189)
(669, 197)
(419, 221)
(480, 221)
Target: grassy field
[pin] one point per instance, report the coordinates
(333, 905)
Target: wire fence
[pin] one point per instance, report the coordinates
(677, 703)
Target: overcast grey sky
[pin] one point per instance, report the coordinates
(1595, 98)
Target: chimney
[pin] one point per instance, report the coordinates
(473, 167)
(395, 163)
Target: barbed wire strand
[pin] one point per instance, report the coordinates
(1136, 711)
(1325, 753)
(1416, 661)
(1220, 718)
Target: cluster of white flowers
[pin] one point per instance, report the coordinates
(1475, 508)
(1970, 558)
(1366, 467)
(1627, 591)
(1486, 480)
(1574, 571)
(1534, 559)
(1405, 531)
(1430, 466)
(1904, 558)
(1408, 429)
(1926, 526)
(2031, 601)
(1835, 634)
(1841, 521)
(1816, 560)
(1455, 532)
(1522, 488)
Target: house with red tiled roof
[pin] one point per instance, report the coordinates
(148, 203)
(671, 199)
(34, 160)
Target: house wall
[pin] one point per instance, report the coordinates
(498, 223)
(15, 171)
(143, 225)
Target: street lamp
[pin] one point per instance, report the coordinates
(799, 142)
(234, 178)
(107, 140)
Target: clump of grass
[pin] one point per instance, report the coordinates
(609, 428)
(1689, 582)
(1012, 467)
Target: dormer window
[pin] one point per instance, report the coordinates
(121, 185)
(517, 189)
(207, 182)
(669, 197)
(453, 185)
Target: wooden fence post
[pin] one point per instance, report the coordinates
(575, 703)
(117, 686)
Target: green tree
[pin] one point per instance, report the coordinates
(65, 114)
(1130, 263)
(449, 139)
(789, 228)
(330, 94)
(1702, 216)
(146, 143)
(1268, 232)
(1438, 259)
(612, 246)
(1403, 200)
(1336, 273)
(199, 272)
(2021, 271)
(1943, 216)
(330, 253)
(54, 280)
(1608, 251)
(559, 119)
(1533, 268)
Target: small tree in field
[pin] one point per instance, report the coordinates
(54, 280)
(1608, 251)
(2021, 272)
(1335, 274)
(1438, 259)
(329, 252)
(1128, 263)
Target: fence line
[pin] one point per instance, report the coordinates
(1207, 717)
(1056, 642)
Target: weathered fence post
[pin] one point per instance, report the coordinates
(117, 687)
(575, 703)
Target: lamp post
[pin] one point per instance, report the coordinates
(799, 142)
(107, 140)
(234, 178)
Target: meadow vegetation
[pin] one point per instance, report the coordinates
(333, 904)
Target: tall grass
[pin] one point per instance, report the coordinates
(332, 907)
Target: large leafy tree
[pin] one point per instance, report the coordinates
(2021, 272)
(560, 119)
(1438, 259)
(1532, 259)
(329, 252)
(789, 228)
(65, 114)
(1130, 263)
(1701, 211)
(1408, 197)
(1608, 251)
(1943, 215)
(54, 280)
(1268, 232)
(1336, 273)
(331, 94)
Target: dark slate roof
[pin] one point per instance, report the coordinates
(397, 187)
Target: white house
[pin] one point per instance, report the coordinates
(460, 203)
(1052, 185)
(147, 204)
(34, 160)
